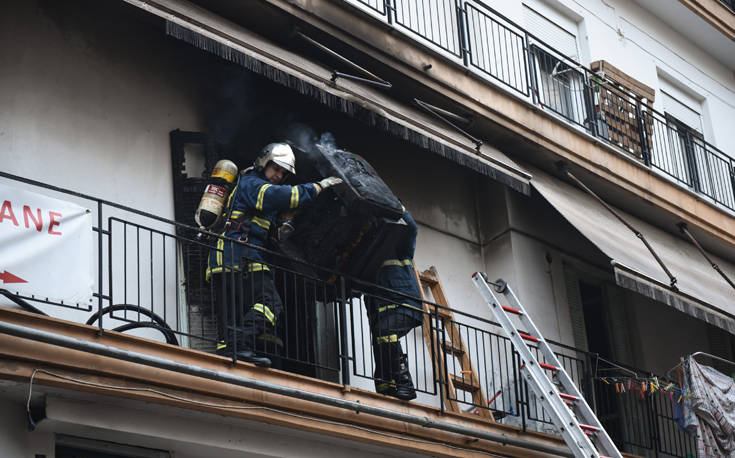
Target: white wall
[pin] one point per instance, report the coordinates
(88, 95)
(88, 98)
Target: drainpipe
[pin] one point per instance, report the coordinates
(197, 371)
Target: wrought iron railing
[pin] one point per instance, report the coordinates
(730, 4)
(641, 422)
(152, 281)
(484, 40)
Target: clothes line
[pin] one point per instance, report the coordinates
(630, 381)
(699, 353)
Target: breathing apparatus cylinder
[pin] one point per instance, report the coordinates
(215, 194)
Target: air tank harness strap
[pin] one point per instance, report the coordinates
(239, 222)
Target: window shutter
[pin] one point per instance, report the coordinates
(682, 111)
(576, 312)
(550, 33)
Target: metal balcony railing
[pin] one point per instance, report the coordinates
(729, 4)
(482, 39)
(151, 281)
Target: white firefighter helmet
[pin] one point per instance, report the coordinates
(279, 153)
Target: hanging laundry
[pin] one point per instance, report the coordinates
(712, 400)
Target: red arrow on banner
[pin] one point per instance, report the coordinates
(7, 277)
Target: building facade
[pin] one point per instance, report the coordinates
(581, 151)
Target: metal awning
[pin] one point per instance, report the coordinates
(232, 42)
(702, 293)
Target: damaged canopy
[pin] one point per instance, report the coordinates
(215, 34)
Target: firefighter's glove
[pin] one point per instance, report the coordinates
(328, 183)
(285, 231)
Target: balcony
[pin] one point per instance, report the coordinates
(499, 51)
(150, 281)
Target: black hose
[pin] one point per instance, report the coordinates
(156, 321)
(167, 333)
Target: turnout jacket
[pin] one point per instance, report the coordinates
(396, 273)
(255, 206)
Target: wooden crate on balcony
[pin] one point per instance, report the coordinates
(619, 102)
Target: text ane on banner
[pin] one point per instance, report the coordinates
(11, 214)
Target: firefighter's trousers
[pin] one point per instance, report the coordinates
(248, 308)
(388, 328)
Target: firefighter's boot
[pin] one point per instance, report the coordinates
(244, 349)
(243, 354)
(404, 389)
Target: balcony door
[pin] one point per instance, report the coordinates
(601, 325)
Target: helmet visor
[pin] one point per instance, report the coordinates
(289, 167)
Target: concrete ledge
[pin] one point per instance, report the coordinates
(714, 12)
(19, 357)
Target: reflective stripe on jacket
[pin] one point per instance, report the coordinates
(260, 203)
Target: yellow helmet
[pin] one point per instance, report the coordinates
(280, 153)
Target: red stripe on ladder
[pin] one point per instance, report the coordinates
(545, 366)
(528, 337)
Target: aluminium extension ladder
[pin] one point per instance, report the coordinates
(568, 410)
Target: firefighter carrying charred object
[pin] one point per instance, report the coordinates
(237, 271)
(349, 222)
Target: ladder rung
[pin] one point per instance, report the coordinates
(548, 366)
(511, 310)
(428, 278)
(443, 313)
(452, 349)
(465, 385)
(528, 337)
(568, 397)
(544, 365)
(594, 429)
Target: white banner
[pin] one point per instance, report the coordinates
(45, 247)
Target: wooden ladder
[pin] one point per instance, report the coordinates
(451, 347)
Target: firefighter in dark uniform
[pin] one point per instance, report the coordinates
(237, 271)
(392, 316)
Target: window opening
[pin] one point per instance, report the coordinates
(622, 418)
(560, 85)
(80, 447)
